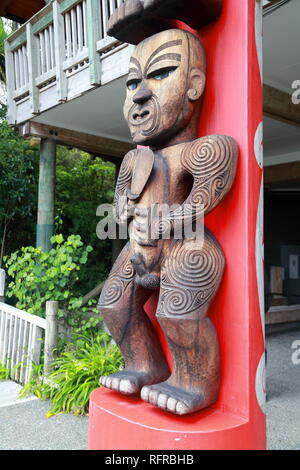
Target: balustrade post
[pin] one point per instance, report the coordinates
(2, 285)
(45, 222)
(32, 55)
(93, 34)
(51, 335)
(59, 46)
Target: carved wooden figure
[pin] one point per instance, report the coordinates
(165, 85)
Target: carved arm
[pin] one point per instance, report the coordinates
(212, 161)
(121, 209)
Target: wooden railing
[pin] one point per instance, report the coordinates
(65, 38)
(21, 336)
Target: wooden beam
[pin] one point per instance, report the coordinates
(282, 173)
(278, 105)
(86, 142)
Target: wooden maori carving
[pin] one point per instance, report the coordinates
(189, 177)
(136, 20)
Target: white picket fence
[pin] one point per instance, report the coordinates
(21, 336)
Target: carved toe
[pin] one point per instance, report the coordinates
(181, 408)
(171, 404)
(162, 401)
(145, 393)
(102, 380)
(127, 387)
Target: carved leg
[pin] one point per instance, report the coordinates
(190, 278)
(121, 305)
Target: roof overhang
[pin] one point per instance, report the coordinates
(20, 10)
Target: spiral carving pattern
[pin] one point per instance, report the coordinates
(190, 276)
(124, 177)
(212, 161)
(119, 279)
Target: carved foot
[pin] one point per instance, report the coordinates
(173, 399)
(128, 382)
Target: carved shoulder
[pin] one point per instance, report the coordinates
(124, 181)
(212, 161)
(125, 173)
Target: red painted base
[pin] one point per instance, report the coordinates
(122, 423)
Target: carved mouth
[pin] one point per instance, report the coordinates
(142, 116)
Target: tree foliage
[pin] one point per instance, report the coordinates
(18, 188)
(3, 36)
(82, 184)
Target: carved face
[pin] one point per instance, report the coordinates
(163, 84)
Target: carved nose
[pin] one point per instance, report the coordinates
(143, 95)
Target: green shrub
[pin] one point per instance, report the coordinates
(76, 374)
(4, 373)
(37, 277)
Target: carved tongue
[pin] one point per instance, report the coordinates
(141, 172)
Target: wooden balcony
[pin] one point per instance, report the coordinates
(63, 53)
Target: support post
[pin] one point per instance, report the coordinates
(50, 335)
(45, 219)
(2, 285)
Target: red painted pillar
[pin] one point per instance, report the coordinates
(232, 106)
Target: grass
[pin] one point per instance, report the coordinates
(76, 374)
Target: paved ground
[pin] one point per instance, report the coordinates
(283, 391)
(23, 425)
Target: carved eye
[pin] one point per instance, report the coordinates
(132, 84)
(162, 73)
